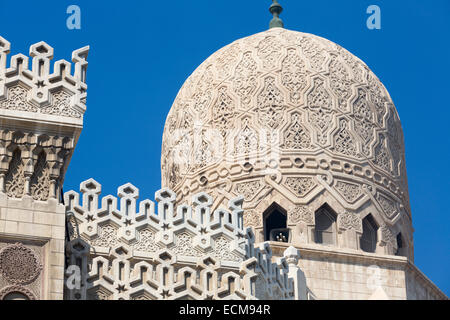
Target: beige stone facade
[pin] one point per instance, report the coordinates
(342, 274)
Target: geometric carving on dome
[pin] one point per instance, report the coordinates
(344, 142)
(179, 157)
(246, 141)
(388, 205)
(223, 111)
(395, 141)
(249, 189)
(319, 102)
(171, 123)
(350, 221)
(245, 78)
(296, 136)
(351, 192)
(300, 186)
(393, 125)
(291, 37)
(203, 153)
(253, 218)
(269, 51)
(315, 54)
(365, 130)
(294, 75)
(354, 64)
(377, 97)
(301, 213)
(306, 91)
(340, 81)
(382, 158)
(203, 95)
(227, 60)
(187, 121)
(363, 116)
(361, 106)
(319, 97)
(174, 175)
(271, 107)
(19, 264)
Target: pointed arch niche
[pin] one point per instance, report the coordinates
(369, 237)
(325, 231)
(275, 224)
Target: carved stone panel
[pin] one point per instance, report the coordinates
(21, 268)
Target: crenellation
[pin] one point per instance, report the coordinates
(178, 240)
(60, 94)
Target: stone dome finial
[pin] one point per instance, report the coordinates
(276, 9)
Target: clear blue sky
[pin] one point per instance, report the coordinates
(142, 51)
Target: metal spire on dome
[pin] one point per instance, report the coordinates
(276, 9)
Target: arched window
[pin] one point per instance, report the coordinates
(325, 229)
(400, 245)
(16, 296)
(275, 229)
(368, 241)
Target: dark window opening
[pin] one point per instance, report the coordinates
(325, 228)
(15, 296)
(399, 251)
(275, 224)
(369, 238)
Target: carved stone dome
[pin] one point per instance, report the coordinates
(290, 118)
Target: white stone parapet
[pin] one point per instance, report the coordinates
(132, 251)
(39, 95)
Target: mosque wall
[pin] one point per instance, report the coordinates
(342, 274)
(31, 248)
